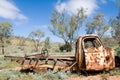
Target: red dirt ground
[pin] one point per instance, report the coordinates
(95, 77)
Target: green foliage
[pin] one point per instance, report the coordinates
(36, 36)
(108, 41)
(7, 63)
(7, 72)
(51, 76)
(65, 26)
(117, 49)
(5, 29)
(47, 43)
(5, 33)
(97, 26)
(105, 74)
(66, 47)
(62, 75)
(115, 26)
(115, 72)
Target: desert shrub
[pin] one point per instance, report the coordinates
(44, 76)
(1, 57)
(61, 75)
(117, 49)
(26, 77)
(21, 48)
(66, 47)
(7, 63)
(57, 50)
(50, 75)
(8, 74)
(37, 77)
(105, 74)
(115, 71)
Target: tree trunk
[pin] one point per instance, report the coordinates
(3, 50)
(36, 45)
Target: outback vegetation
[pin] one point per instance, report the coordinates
(65, 27)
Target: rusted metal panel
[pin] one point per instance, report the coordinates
(96, 56)
(65, 62)
(109, 58)
(80, 53)
(94, 59)
(100, 59)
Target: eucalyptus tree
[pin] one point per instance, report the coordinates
(36, 36)
(97, 25)
(115, 26)
(66, 26)
(47, 43)
(5, 32)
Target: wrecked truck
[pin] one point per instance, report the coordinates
(90, 54)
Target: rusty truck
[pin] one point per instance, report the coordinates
(90, 54)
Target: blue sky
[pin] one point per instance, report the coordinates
(29, 15)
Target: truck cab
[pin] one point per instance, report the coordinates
(92, 55)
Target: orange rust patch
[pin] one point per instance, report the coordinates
(46, 66)
(99, 59)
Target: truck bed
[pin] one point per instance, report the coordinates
(43, 61)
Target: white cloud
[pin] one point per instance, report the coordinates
(10, 11)
(73, 5)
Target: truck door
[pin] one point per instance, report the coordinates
(95, 54)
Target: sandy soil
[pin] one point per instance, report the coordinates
(95, 77)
